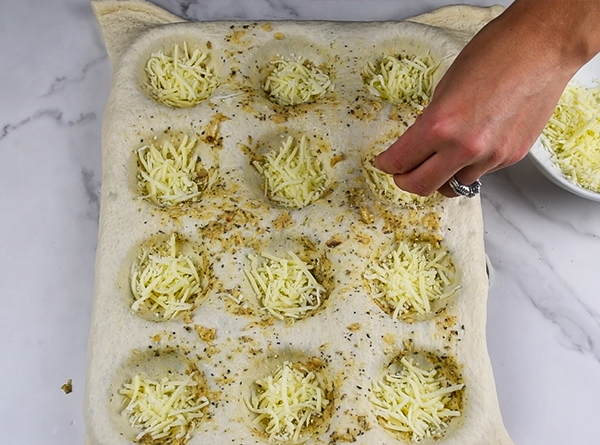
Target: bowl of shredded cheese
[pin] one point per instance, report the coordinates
(568, 151)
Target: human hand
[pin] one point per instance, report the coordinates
(492, 103)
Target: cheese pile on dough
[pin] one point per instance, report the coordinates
(413, 401)
(383, 184)
(164, 284)
(169, 174)
(293, 176)
(179, 79)
(573, 135)
(403, 79)
(295, 81)
(163, 409)
(286, 402)
(411, 277)
(285, 287)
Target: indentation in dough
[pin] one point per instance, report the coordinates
(383, 185)
(285, 286)
(294, 80)
(293, 174)
(418, 396)
(158, 397)
(292, 403)
(180, 77)
(412, 280)
(167, 279)
(173, 168)
(293, 74)
(402, 78)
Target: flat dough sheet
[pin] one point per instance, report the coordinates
(346, 230)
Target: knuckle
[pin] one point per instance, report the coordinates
(496, 157)
(441, 128)
(468, 144)
(507, 155)
(519, 154)
(476, 146)
(516, 157)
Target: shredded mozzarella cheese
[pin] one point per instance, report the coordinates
(180, 79)
(169, 173)
(383, 184)
(402, 79)
(293, 176)
(166, 408)
(286, 402)
(414, 401)
(295, 80)
(412, 277)
(572, 135)
(166, 285)
(285, 287)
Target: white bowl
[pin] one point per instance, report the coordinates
(541, 157)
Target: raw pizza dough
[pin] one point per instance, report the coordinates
(226, 337)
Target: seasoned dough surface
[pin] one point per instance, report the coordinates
(226, 337)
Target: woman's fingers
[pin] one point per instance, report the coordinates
(406, 154)
(491, 104)
(434, 174)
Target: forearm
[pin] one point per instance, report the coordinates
(570, 29)
(495, 99)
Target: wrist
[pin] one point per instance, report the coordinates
(567, 30)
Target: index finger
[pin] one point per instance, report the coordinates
(405, 154)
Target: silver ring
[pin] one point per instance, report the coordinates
(464, 190)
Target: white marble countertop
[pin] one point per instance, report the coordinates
(544, 303)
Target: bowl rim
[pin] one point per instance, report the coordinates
(541, 157)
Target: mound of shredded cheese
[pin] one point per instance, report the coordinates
(285, 287)
(414, 401)
(411, 277)
(293, 176)
(286, 402)
(295, 80)
(403, 79)
(169, 173)
(383, 184)
(180, 79)
(167, 408)
(166, 285)
(573, 135)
